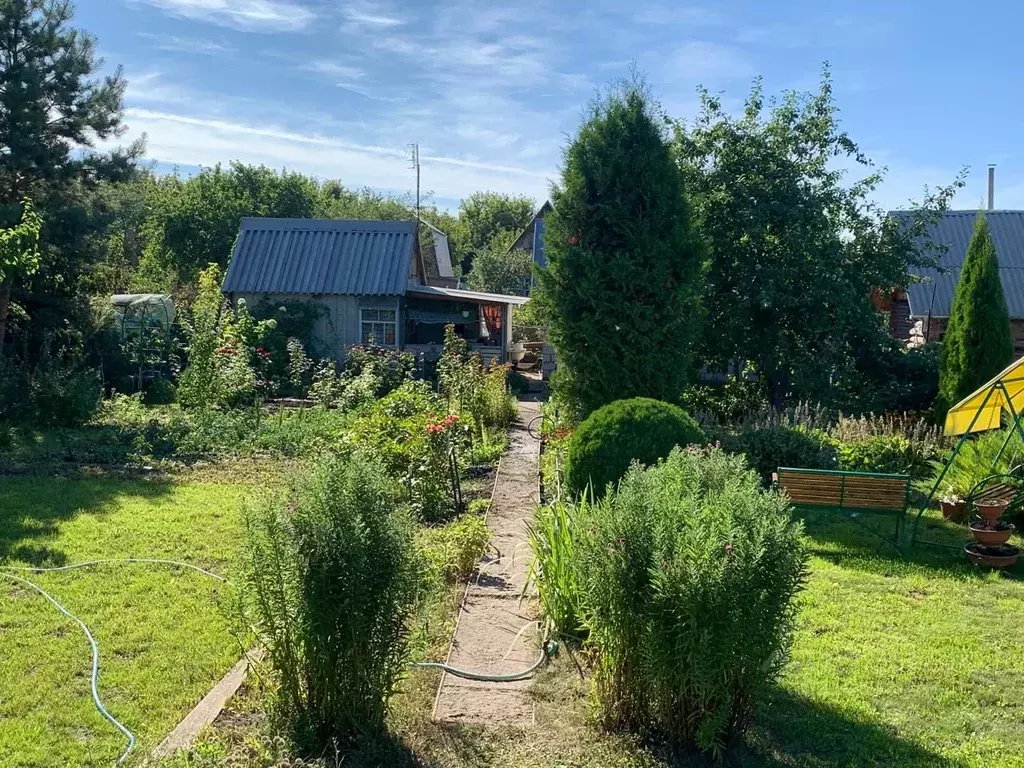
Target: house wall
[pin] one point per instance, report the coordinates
(338, 328)
(936, 329)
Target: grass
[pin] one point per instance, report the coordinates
(163, 640)
(898, 661)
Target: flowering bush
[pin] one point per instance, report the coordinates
(226, 364)
(409, 435)
(482, 394)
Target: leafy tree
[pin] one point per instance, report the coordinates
(978, 343)
(485, 215)
(50, 104)
(500, 270)
(194, 221)
(621, 292)
(19, 255)
(794, 251)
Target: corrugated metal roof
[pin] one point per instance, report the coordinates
(935, 294)
(321, 256)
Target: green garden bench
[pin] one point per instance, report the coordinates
(849, 493)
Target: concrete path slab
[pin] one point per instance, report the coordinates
(496, 629)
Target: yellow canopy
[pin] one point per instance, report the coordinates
(1007, 389)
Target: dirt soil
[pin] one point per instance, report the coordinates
(497, 629)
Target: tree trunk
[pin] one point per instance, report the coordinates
(5, 306)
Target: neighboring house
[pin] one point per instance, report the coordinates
(532, 238)
(437, 257)
(922, 311)
(371, 281)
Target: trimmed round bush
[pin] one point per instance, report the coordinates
(612, 437)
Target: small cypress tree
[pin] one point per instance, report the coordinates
(978, 343)
(620, 293)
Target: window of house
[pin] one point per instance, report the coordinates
(378, 325)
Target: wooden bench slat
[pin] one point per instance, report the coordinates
(849, 492)
(845, 491)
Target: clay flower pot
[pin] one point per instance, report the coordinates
(992, 534)
(952, 509)
(994, 557)
(992, 509)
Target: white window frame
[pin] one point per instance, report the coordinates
(376, 322)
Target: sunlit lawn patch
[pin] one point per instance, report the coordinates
(163, 640)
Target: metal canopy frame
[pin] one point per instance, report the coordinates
(999, 385)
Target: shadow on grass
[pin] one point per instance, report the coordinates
(95, 444)
(867, 545)
(383, 750)
(794, 731)
(34, 509)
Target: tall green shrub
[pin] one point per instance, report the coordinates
(640, 429)
(770, 447)
(687, 576)
(198, 384)
(330, 577)
(978, 343)
(620, 294)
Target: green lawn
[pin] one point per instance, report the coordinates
(913, 660)
(910, 660)
(163, 639)
(898, 661)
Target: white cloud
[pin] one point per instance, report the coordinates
(174, 44)
(249, 15)
(342, 75)
(369, 15)
(195, 141)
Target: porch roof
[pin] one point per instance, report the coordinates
(458, 294)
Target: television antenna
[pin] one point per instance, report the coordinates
(414, 163)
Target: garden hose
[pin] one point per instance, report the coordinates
(118, 560)
(548, 648)
(95, 662)
(5, 570)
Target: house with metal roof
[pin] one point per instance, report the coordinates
(927, 301)
(371, 281)
(531, 239)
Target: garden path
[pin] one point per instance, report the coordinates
(496, 630)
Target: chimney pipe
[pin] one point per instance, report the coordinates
(991, 186)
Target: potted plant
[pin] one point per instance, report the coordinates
(991, 533)
(991, 509)
(1002, 556)
(953, 501)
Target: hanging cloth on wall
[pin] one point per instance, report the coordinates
(492, 317)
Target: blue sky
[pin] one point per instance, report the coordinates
(491, 92)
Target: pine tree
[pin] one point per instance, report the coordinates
(50, 104)
(978, 343)
(620, 293)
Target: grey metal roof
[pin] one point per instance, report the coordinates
(934, 295)
(321, 256)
